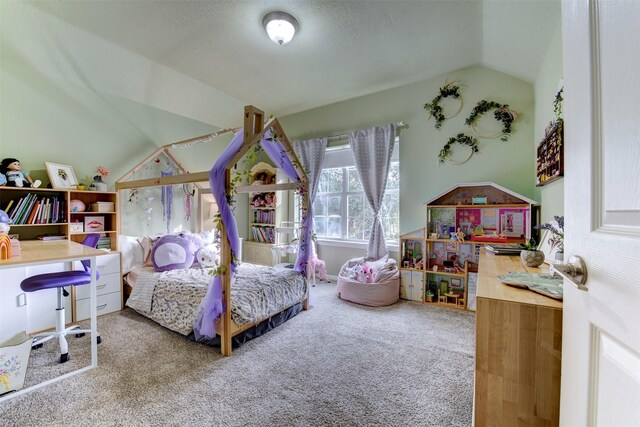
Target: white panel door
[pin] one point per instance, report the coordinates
(601, 327)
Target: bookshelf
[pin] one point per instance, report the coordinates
(41, 211)
(266, 211)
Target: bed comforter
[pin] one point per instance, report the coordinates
(172, 298)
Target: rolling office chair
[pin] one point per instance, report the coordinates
(60, 280)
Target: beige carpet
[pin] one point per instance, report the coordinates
(336, 364)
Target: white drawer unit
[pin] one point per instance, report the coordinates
(106, 263)
(106, 284)
(106, 304)
(108, 289)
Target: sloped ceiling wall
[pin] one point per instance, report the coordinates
(110, 81)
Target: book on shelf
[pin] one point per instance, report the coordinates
(51, 236)
(503, 249)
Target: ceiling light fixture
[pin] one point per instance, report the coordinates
(280, 26)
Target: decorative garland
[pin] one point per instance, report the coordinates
(502, 114)
(462, 139)
(450, 89)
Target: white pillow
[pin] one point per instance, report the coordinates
(207, 236)
(131, 252)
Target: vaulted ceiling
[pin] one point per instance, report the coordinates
(344, 49)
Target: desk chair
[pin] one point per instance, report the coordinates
(60, 280)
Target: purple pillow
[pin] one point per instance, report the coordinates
(195, 244)
(171, 252)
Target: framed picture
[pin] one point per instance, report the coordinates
(61, 176)
(545, 246)
(450, 246)
(93, 223)
(456, 283)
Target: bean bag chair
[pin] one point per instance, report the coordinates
(373, 283)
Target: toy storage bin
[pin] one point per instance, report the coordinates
(14, 357)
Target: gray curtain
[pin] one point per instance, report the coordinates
(310, 152)
(372, 149)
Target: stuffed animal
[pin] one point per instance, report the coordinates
(171, 252)
(207, 256)
(195, 243)
(268, 199)
(14, 176)
(5, 241)
(364, 274)
(315, 262)
(4, 222)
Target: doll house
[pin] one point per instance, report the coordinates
(436, 260)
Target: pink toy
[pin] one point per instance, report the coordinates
(364, 274)
(314, 263)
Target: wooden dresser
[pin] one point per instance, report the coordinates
(518, 349)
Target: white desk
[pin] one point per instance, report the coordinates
(34, 252)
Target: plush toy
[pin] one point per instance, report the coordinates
(5, 241)
(171, 252)
(195, 243)
(207, 256)
(268, 199)
(4, 222)
(15, 177)
(364, 274)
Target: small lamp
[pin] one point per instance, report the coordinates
(280, 26)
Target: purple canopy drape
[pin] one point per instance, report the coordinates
(212, 305)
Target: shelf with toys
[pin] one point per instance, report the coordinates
(266, 210)
(436, 260)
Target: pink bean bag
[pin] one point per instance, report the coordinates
(383, 290)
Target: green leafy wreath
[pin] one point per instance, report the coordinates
(501, 112)
(450, 89)
(445, 152)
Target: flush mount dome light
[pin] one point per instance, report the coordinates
(280, 26)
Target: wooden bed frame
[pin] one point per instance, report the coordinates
(254, 130)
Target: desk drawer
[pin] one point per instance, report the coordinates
(106, 304)
(107, 284)
(106, 263)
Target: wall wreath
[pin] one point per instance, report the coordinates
(462, 139)
(450, 89)
(501, 112)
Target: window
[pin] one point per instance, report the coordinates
(341, 210)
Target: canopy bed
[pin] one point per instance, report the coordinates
(217, 313)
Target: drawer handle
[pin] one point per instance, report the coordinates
(101, 286)
(100, 307)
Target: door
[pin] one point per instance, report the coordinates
(601, 330)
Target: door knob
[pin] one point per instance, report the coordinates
(574, 271)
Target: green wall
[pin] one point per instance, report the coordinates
(510, 164)
(546, 87)
(45, 117)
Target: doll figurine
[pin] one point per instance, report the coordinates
(16, 177)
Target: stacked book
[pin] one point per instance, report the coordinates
(263, 234)
(264, 217)
(503, 249)
(34, 209)
(104, 242)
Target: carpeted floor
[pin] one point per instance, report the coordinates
(336, 364)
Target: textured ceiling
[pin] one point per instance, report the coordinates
(343, 49)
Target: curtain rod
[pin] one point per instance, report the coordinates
(401, 125)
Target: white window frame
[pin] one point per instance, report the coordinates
(341, 157)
